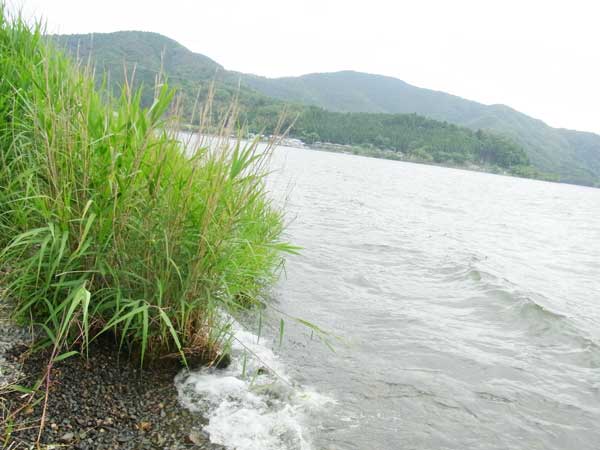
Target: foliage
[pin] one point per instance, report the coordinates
(397, 136)
(107, 225)
(411, 136)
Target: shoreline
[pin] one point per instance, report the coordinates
(106, 402)
(390, 155)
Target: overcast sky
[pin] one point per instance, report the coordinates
(541, 57)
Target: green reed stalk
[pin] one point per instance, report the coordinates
(107, 225)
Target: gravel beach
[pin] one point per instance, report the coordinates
(11, 338)
(107, 402)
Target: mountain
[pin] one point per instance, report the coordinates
(143, 55)
(574, 156)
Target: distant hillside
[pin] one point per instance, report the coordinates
(572, 155)
(117, 54)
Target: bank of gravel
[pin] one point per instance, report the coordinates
(107, 402)
(11, 336)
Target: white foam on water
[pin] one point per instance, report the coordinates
(252, 404)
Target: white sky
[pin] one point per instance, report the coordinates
(541, 57)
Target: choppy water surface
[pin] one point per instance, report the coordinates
(468, 306)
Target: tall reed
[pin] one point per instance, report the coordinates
(107, 225)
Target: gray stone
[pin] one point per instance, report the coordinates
(67, 437)
(196, 438)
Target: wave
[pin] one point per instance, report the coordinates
(252, 404)
(540, 317)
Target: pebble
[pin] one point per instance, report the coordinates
(196, 438)
(67, 437)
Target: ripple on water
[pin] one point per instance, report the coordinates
(470, 302)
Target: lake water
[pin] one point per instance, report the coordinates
(465, 310)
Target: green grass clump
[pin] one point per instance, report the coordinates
(107, 225)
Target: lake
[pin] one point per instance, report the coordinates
(464, 309)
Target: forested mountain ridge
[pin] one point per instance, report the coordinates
(143, 55)
(573, 156)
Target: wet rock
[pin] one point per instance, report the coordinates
(223, 361)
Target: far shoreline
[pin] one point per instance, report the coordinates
(350, 150)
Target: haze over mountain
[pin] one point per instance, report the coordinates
(574, 156)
